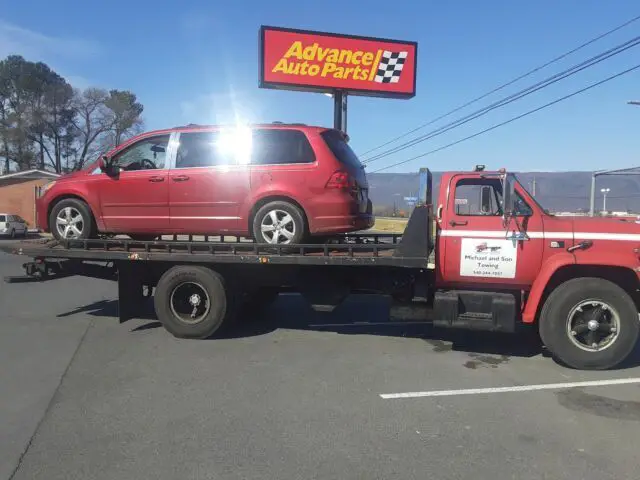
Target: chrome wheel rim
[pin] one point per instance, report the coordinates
(190, 302)
(593, 325)
(70, 223)
(278, 227)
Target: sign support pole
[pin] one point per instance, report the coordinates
(340, 110)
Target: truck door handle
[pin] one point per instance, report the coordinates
(156, 179)
(181, 178)
(453, 223)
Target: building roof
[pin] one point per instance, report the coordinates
(29, 174)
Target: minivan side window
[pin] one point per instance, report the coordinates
(146, 154)
(280, 147)
(340, 148)
(202, 149)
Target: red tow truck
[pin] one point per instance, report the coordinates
(506, 265)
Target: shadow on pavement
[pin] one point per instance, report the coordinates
(359, 315)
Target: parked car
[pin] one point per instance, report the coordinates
(278, 183)
(12, 226)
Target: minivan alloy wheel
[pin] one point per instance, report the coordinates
(278, 227)
(70, 223)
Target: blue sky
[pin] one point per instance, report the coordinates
(193, 61)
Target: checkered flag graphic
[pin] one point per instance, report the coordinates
(390, 67)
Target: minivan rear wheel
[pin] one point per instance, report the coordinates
(71, 219)
(279, 223)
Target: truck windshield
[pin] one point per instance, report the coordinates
(533, 199)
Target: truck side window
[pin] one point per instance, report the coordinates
(468, 197)
(468, 200)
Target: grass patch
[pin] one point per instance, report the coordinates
(390, 225)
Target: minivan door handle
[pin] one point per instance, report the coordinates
(156, 179)
(180, 178)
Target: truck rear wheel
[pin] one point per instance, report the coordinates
(192, 301)
(589, 324)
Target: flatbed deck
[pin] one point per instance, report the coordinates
(360, 249)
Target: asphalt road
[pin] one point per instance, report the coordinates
(292, 394)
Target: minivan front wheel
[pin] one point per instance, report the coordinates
(279, 223)
(71, 219)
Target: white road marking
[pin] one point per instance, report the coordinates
(519, 388)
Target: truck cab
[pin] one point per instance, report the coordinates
(502, 259)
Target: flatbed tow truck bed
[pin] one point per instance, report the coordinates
(361, 249)
(247, 272)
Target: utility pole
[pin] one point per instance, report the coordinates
(604, 199)
(533, 184)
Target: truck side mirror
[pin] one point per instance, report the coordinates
(508, 198)
(485, 199)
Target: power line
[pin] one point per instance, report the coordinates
(504, 85)
(513, 119)
(512, 98)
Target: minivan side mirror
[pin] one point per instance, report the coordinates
(103, 163)
(508, 198)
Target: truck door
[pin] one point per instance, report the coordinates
(477, 246)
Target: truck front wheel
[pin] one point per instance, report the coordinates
(192, 301)
(589, 324)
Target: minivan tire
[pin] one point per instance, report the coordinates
(297, 225)
(565, 339)
(82, 209)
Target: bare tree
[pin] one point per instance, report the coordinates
(92, 120)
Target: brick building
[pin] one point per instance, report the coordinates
(19, 190)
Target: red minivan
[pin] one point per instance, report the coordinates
(277, 183)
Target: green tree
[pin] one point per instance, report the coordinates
(45, 123)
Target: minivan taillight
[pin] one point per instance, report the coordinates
(340, 179)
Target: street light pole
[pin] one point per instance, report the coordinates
(604, 198)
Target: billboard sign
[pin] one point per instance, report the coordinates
(325, 62)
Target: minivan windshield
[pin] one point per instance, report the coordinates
(340, 148)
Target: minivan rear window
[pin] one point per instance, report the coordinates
(340, 148)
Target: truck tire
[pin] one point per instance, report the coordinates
(79, 220)
(279, 223)
(589, 324)
(192, 301)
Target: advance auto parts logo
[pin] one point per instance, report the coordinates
(326, 62)
(383, 66)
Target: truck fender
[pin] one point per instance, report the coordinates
(549, 268)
